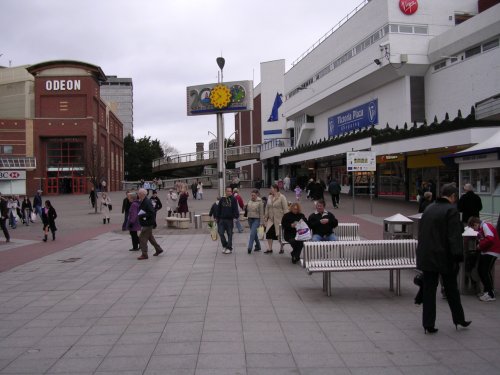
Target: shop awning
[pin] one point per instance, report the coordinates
(488, 146)
(17, 163)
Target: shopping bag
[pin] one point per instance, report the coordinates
(33, 216)
(261, 232)
(303, 231)
(213, 230)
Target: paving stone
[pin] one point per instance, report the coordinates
(128, 363)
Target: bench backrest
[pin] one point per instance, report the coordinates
(359, 253)
(344, 232)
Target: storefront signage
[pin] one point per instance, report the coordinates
(220, 98)
(63, 85)
(408, 7)
(12, 175)
(361, 161)
(354, 119)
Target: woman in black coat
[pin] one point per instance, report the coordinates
(288, 223)
(49, 216)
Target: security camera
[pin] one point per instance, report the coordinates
(384, 44)
(378, 62)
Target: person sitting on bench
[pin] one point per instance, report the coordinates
(322, 223)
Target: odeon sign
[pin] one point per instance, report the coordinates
(63, 85)
(408, 7)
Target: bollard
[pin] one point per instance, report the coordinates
(197, 221)
(191, 216)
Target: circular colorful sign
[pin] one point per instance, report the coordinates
(408, 7)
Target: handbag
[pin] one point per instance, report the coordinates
(33, 216)
(213, 230)
(110, 206)
(303, 231)
(261, 232)
(245, 213)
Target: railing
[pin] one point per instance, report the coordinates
(206, 155)
(277, 142)
(331, 31)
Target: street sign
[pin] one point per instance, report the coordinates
(361, 161)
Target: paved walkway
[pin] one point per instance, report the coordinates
(92, 308)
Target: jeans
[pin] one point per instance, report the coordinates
(326, 237)
(38, 210)
(254, 225)
(226, 225)
(238, 225)
(12, 220)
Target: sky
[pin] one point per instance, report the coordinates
(165, 46)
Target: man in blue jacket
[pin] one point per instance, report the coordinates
(147, 220)
(227, 211)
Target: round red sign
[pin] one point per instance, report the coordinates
(408, 7)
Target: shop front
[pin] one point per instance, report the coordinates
(13, 182)
(391, 175)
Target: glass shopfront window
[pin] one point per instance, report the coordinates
(478, 178)
(496, 181)
(391, 177)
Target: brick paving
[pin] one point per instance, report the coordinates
(84, 305)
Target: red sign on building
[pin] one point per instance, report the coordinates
(408, 7)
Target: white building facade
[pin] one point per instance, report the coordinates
(393, 64)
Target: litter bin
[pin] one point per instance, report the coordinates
(398, 227)
(197, 221)
(416, 222)
(468, 278)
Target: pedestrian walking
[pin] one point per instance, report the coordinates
(286, 183)
(133, 224)
(182, 207)
(13, 218)
(276, 207)
(147, 221)
(199, 192)
(49, 216)
(37, 203)
(489, 250)
(194, 189)
(334, 189)
(4, 215)
(92, 197)
(156, 202)
(125, 208)
(26, 210)
(439, 252)
(255, 214)
(469, 204)
(241, 206)
(227, 211)
(105, 207)
(298, 193)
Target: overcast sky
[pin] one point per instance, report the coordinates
(166, 45)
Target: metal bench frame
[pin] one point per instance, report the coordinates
(344, 232)
(368, 255)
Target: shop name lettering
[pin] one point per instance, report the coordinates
(63, 85)
(353, 116)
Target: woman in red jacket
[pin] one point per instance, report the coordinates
(489, 246)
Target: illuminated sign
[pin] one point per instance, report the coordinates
(63, 85)
(223, 97)
(361, 161)
(12, 175)
(354, 119)
(408, 7)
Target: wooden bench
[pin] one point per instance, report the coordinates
(369, 255)
(343, 232)
(177, 222)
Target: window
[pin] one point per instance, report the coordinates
(472, 51)
(490, 45)
(405, 29)
(496, 179)
(420, 30)
(440, 65)
(8, 149)
(478, 178)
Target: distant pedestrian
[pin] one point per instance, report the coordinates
(105, 207)
(171, 201)
(469, 204)
(227, 211)
(37, 203)
(92, 197)
(241, 205)
(334, 189)
(439, 252)
(276, 207)
(199, 192)
(182, 207)
(255, 214)
(26, 210)
(133, 224)
(147, 221)
(425, 201)
(4, 215)
(49, 216)
(125, 208)
(298, 193)
(214, 208)
(194, 189)
(286, 183)
(156, 202)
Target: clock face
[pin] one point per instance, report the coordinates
(220, 96)
(237, 93)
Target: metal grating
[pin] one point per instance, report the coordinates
(18, 163)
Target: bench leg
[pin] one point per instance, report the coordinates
(324, 282)
(398, 282)
(329, 284)
(391, 280)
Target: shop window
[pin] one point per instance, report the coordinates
(496, 178)
(478, 178)
(8, 149)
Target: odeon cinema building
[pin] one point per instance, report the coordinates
(56, 134)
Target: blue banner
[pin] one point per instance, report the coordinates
(277, 103)
(354, 119)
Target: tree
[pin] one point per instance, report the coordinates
(168, 149)
(139, 156)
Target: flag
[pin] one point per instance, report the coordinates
(277, 103)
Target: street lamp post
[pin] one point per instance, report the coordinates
(221, 165)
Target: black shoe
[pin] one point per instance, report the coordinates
(108, 220)
(295, 260)
(133, 249)
(464, 324)
(158, 253)
(44, 238)
(249, 251)
(268, 251)
(257, 249)
(430, 330)
(104, 221)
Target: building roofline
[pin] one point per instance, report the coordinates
(94, 69)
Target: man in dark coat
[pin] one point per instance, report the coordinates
(146, 217)
(439, 251)
(227, 211)
(322, 223)
(334, 189)
(469, 204)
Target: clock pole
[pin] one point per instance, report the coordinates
(221, 165)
